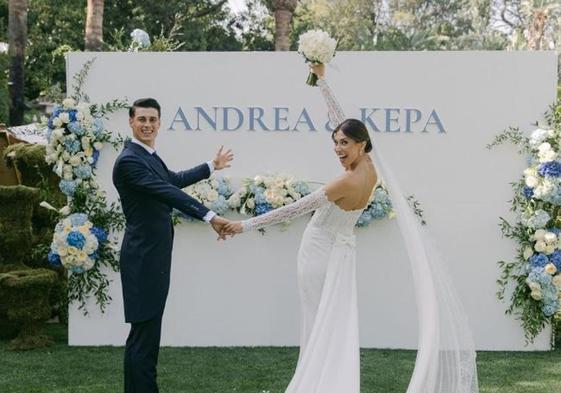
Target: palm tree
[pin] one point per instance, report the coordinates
(94, 25)
(283, 10)
(17, 31)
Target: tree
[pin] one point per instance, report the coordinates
(283, 10)
(17, 25)
(94, 25)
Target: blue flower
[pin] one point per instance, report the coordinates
(528, 192)
(76, 239)
(68, 187)
(72, 115)
(49, 132)
(54, 259)
(72, 145)
(97, 126)
(539, 260)
(95, 156)
(78, 219)
(76, 128)
(260, 198)
(555, 230)
(556, 259)
(550, 169)
(301, 188)
(364, 219)
(83, 171)
(94, 255)
(76, 269)
(99, 233)
(262, 208)
(550, 308)
(538, 275)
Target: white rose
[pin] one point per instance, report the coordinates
(212, 195)
(550, 269)
(68, 176)
(68, 103)
(539, 234)
(532, 181)
(540, 246)
(57, 122)
(544, 147)
(550, 237)
(234, 201)
(258, 179)
(534, 286)
(85, 142)
(536, 295)
(268, 181)
(64, 117)
(88, 263)
(214, 183)
(75, 160)
(80, 116)
(528, 252)
(550, 249)
(98, 145)
(250, 203)
(556, 280)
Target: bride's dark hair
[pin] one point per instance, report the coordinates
(356, 130)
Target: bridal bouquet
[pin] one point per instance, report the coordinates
(317, 47)
(379, 207)
(76, 243)
(213, 193)
(265, 193)
(75, 136)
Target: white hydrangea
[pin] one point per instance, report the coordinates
(317, 46)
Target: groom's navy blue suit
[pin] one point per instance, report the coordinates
(148, 192)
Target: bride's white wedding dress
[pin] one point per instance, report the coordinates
(329, 359)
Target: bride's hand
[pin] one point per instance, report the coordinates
(232, 228)
(318, 69)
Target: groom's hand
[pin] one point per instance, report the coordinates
(223, 158)
(218, 223)
(233, 228)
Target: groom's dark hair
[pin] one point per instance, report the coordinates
(144, 103)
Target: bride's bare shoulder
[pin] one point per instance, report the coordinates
(338, 187)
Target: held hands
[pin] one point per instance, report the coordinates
(223, 158)
(318, 69)
(224, 227)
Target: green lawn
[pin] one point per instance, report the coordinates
(248, 370)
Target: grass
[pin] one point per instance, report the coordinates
(63, 369)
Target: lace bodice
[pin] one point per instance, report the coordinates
(328, 216)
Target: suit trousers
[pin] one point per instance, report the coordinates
(141, 356)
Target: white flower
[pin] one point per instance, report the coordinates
(532, 181)
(212, 195)
(536, 295)
(539, 234)
(234, 201)
(57, 133)
(556, 280)
(550, 237)
(140, 39)
(68, 103)
(538, 136)
(75, 160)
(65, 210)
(250, 203)
(317, 46)
(64, 117)
(98, 145)
(528, 252)
(550, 249)
(258, 179)
(85, 142)
(540, 246)
(57, 122)
(550, 269)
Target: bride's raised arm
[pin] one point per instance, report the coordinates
(336, 114)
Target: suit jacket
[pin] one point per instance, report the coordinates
(148, 192)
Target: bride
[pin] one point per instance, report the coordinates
(329, 360)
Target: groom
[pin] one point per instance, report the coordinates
(148, 192)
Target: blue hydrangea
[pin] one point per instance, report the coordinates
(539, 219)
(76, 239)
(301, 188)
(556, 259)
(49, 133)
(262, 208)
(99, 233)
(68, 187)
(76, 128)
(555, 230)
(94, 255)
(54, 259)
(54, 115)
(528, 192)
(539, 260)
(550, 308)
(77, 270)
(260, 198)
(550, 169)
(95, 156)
(364, 219)
(83, 171)
(72, 145)
(538, 275)
(220, 205)
(97, 126)
(78, 219)
(549, 293)
(554, 196)
(224, 189)
(72, 115)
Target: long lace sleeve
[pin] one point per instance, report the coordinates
(336, 114)
(307, 204)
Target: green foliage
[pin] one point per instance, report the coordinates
(4, 93)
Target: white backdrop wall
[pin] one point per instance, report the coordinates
(436, 111)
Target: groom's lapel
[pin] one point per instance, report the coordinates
(152, 161)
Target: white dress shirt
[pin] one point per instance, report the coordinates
(210, 215)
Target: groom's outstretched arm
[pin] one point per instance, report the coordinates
(136, 175)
